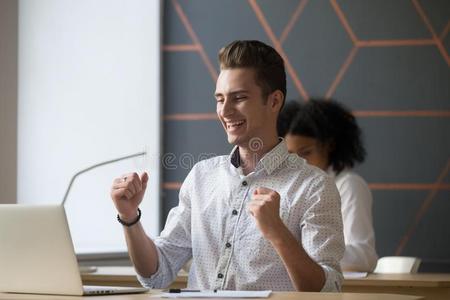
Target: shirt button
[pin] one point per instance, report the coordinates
(220, 275)
(228, 245)
(244, 183)
(234, 212)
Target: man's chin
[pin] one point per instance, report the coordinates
(233, 139)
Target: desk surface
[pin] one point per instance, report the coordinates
(431, 286)
(127, 274)
(273, 296)
(411, 280)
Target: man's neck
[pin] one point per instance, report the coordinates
(251, 154)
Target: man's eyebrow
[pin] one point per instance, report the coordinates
(232, 93)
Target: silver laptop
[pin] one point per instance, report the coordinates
(37, 254)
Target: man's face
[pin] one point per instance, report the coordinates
(309, 148)
(241, 108)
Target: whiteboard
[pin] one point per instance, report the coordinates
(89, 91)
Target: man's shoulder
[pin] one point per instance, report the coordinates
(298, 166)
(204, 168)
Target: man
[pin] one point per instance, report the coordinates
(259, 218)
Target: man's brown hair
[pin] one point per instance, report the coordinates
(269, 69)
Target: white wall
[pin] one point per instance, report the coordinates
(89, 91)
(8, 100)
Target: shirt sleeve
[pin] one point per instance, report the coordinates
(174, 245)
(322, 234)
(360, 254)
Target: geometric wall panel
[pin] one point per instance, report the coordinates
(408, 150)
(438, 12)
(396, 78)
(317, 52)
(399, 19)
(194, 92)
(232, 20)
(389, 224)
(388, 61)
(280, 17)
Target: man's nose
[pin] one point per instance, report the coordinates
(227, 108)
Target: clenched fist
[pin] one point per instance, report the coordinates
(265, 208)
(127, 193)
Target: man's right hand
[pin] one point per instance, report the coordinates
(127, 193)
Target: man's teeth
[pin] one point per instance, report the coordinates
(235, 124)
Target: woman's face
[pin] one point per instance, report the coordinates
(309, 148)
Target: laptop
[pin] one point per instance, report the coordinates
(37, 254)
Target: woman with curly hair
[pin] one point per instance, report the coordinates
(327, 136)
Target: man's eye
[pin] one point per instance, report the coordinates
(240, 97)
(219, 100)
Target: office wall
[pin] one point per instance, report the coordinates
(89, 92)
(8, 101)
(386, 60)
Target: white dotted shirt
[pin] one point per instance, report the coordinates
(211, 225)
(356, 207)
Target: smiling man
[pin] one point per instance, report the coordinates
(259, 218)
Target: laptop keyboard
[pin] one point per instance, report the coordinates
(98, 290)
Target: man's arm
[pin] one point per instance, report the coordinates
(127, 193)
(305, 273)
(142, 250)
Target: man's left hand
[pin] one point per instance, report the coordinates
(265, 208)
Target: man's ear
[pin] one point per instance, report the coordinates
(276, 100)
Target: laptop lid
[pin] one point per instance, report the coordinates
(37, 256)
(36, 251)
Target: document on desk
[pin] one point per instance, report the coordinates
(354, 275)
(217, 294)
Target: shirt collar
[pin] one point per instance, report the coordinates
(269, 162)
(331, 172)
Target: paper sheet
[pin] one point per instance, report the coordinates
(218, 294)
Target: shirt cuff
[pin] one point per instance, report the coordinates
(333, 280)
(156, 280)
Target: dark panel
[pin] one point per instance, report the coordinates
(169, 200)
(446, 42)
(384, 19)
(317, 52)
(400, 149)
(393, 212)
(430, 265)
(174, 31)
(219, 22)
(189, 87)
(431, 237)
(190, 142)
(278, 13)
(405, 150)
(291, 90)
(438, 12)
(396, 78)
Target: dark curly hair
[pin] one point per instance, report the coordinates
(328, 122)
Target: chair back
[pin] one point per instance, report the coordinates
(397, 265)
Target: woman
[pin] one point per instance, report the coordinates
(326, 135)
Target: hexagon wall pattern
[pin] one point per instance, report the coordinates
(387, 60)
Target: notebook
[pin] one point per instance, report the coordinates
(37, 254)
